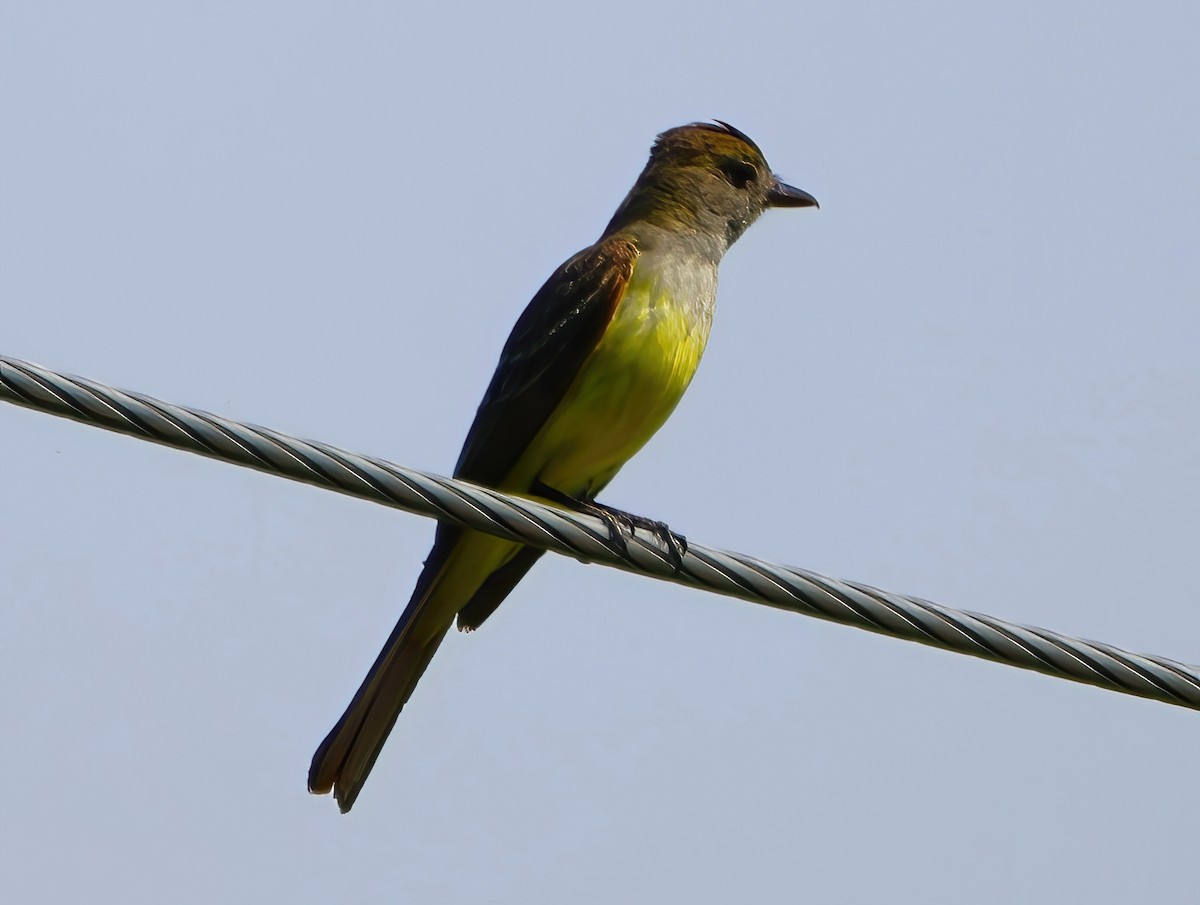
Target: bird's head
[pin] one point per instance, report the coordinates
(708, 178)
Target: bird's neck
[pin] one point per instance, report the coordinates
(693, 247)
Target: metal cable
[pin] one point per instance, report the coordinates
(588, 538)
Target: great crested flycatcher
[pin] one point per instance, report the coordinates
(593, 367)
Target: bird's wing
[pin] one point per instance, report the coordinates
(558, 330)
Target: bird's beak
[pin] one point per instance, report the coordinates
(783, 195)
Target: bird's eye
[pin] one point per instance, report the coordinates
(739, 173)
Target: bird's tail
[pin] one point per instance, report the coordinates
(344, 760)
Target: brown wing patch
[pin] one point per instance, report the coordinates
(558, 330)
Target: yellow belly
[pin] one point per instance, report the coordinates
(623, 393)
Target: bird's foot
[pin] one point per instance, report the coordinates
(675, 544)
(622, 524)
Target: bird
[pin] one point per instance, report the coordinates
(592, 369)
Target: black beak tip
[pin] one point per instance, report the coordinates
(783, 195)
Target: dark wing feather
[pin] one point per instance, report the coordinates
(497, 586)
(558, 330)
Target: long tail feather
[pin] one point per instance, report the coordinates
(344, 759)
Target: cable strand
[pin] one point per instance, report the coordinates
(586, 537)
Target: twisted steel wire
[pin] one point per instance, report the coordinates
(588, 538)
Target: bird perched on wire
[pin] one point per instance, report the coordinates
(595, 364)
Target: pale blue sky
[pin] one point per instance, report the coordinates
(971, 376)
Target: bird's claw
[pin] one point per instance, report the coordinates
(622, 523)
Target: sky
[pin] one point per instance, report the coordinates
(970, 376)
